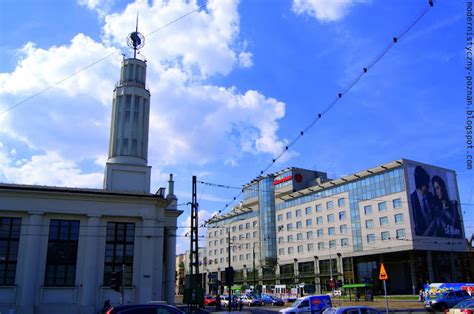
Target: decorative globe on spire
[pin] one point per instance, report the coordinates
(136, 40)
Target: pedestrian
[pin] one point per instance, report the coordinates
(241, 304)
(218, 303)
(422, 295)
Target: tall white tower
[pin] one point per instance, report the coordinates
(126, 168)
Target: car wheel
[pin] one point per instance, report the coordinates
(443, 306)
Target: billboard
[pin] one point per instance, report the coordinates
(434, 202)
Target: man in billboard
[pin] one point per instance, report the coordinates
(422, 201)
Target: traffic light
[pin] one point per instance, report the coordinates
(229, 276)
(116, 280)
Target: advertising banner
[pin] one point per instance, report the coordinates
(434, 202)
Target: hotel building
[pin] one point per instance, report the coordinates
(298, 228)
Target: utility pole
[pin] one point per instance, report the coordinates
(254, 275)
(194, 293)
(230, 267)
(331, 281)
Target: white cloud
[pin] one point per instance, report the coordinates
(324, 10)
(102, 7)
(191, 121)
(47, 169)
(245, 59)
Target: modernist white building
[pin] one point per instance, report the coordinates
(58, 246)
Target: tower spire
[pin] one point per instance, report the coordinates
(136, 40)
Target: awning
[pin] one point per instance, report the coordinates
(357, 285)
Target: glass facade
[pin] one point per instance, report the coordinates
(266, 199)
(389, 182)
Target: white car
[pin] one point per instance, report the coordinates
(351, 310)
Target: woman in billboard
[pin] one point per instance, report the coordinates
(447, 221)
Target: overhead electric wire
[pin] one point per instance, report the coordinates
(372, 63)
(98, 61)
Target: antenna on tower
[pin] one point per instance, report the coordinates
(136, 40)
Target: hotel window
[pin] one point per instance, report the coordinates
(399, 218)
(320, 245)
(222, 231)
(332, 244)
(289, 227)
(343, 229)
(62, 253)
(281, 251)
(254, 234)
(385, 236)
(281, 227)
(119, 250)
(9, 239)
(309, 222)
(241, 236)
(300, 249)
(340, 202)
(400, 233)
(331, 218)
(319, 220)
(309, 235)
(247, 236)
(299, 237)
(299, 225)
(234, 258)
(241, 257)
(318, 208)
(329, 205)
(215, 252)
(210, 253)
(342, 216)
(344, 242)
(298, 213)
(288, 215)
(221, 250)
(397, 203)
(215, 242)
(371, 238)
(307, 210)
(383, 221)
(215, 233)
(290, 250)
(241, 227)
(290, 238)
(222, 260)
(331, 231)
(320, 233)
(369, 224)
(368, 209)
(234, 229)
(382, 206)
(280, 217)
(247, 246)
(310, 247)
(247, 225)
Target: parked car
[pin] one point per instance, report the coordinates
(145, 309)
(312, 303)
(225, 301)
(209, 300)
(250, 300)
(351, 310)
(272, 300)
(463, 307)
(445, 300)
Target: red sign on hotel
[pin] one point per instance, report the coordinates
(281, 180)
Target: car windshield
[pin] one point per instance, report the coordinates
(297, 302)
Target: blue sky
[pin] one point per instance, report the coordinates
(231, 85)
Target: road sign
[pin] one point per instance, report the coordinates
(383, 273)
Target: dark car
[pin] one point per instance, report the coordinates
(445, 300)
(272, 300)
(145, 309)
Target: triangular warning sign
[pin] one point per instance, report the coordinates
(383, 274)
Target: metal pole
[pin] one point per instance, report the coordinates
(122, 292)
(254, 275)
(386, 299)
(330, 271)
(230, 286)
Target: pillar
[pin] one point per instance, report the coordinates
(452, 267)
(90, 274)
(170, 256)
(413, 272)
(31, 280)
(158, 283)
(339, 266)
(317, 281)
(277, 274)
(429, 262)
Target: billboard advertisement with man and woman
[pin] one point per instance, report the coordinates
(434, 202)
